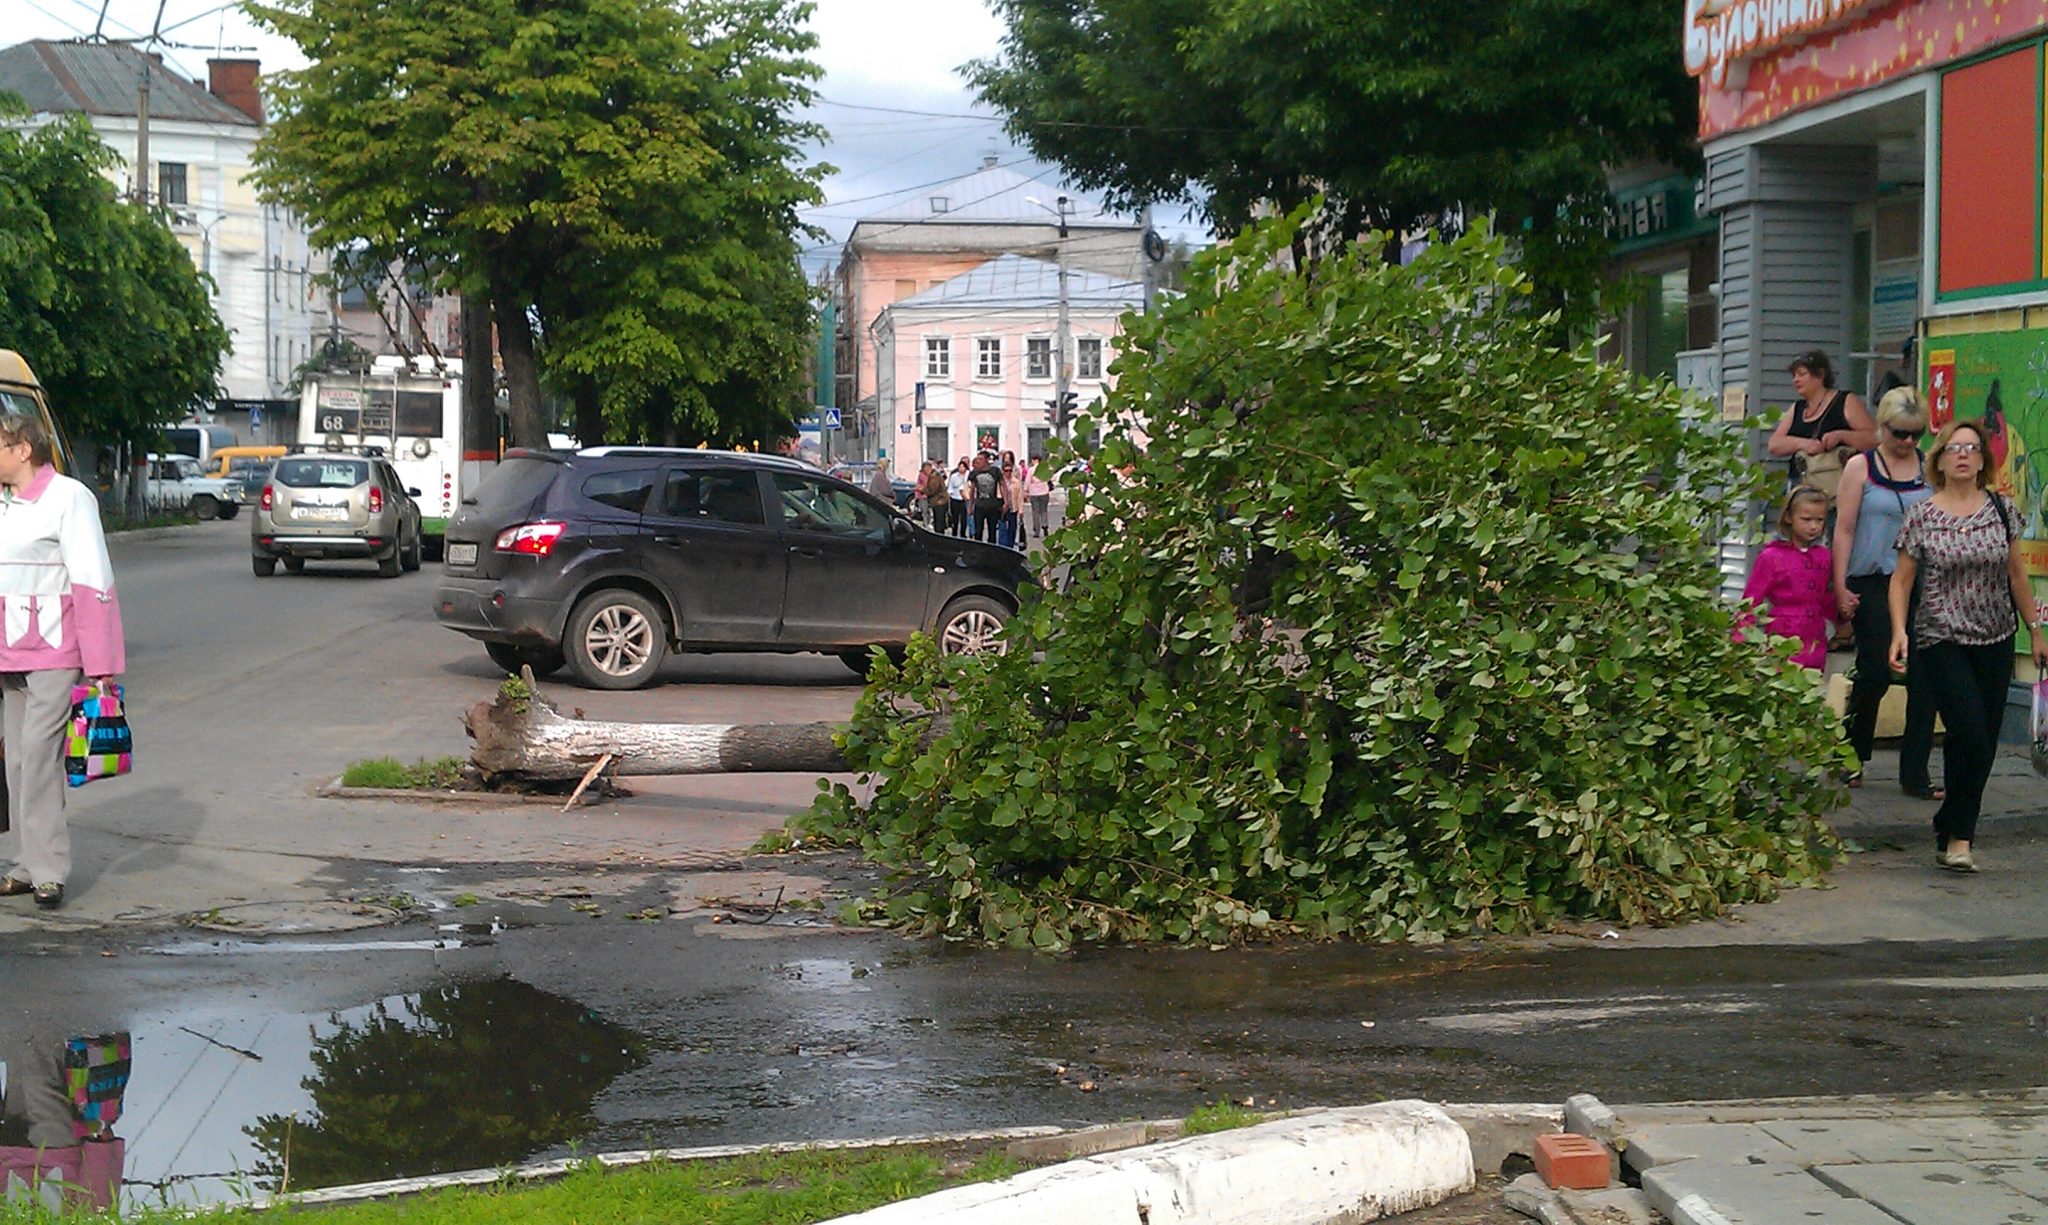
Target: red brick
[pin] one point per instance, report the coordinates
(1571, 1162)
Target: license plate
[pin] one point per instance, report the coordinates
(323, 514)
(462, 555)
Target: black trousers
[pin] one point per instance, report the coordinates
(1873, 629)
(987, 515)
(1968, 684)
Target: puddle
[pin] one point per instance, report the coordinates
(219, 1106)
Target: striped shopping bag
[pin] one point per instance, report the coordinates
(98, 744)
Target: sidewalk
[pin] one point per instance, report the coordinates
(1943, 1159)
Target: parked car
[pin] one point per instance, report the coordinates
(861, 473)
(611, 558)
(249, 465)
(334, 504)
(178, 484)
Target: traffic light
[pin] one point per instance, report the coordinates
(1059, 413)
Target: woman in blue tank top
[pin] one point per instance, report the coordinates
(1878, 487)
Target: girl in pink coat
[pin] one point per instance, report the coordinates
(1792, 577)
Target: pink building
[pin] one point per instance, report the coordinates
(943, 232)
(968, 365)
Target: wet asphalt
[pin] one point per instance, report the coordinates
(557, 983)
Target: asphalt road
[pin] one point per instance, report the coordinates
(577, 973)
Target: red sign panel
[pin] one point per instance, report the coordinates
(1990, 146)
(1884, 43)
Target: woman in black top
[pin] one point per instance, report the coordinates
(1822, 419)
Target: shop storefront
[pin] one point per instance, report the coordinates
(1875, 171)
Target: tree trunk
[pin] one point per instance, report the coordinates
(479, 382)
(589, 416)
(529, 427)
(529, 739)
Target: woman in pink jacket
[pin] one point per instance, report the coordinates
(59, 623)
(1793, 575)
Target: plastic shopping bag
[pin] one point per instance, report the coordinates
(98, 743)
(2037, 727)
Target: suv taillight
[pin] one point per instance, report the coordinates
(376, 500)
(532, 539)
(266, 498)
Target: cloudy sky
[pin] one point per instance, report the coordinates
(881, 58)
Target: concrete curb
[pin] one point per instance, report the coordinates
(429, 795)
(1350, 1165)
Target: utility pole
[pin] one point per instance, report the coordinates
(142, 137)
(1062, 376)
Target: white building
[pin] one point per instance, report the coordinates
(969, 364)
(200, 140)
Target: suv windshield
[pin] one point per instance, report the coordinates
(303, 473)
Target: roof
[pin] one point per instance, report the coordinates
(1021, 281)
(995, 195)
(105, 79)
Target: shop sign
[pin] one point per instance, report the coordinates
(1721, 36)
(1664, 211)
(1806, 52)
(1895, 299)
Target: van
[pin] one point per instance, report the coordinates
(249, 465)
(21, 393)
(198, 441)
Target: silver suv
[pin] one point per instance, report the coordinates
(327, 504)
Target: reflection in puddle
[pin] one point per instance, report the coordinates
(465, 1076)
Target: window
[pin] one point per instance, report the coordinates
(625, 491)
(171, 188)
(321, 473)
(1038, 357)
(988, 358)
(1035, 438)
(938, 443)
(814, 506)
(419, 414)
(938, 357)
(1088, 357)
(905, 289)
(722, 495)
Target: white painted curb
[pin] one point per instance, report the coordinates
(1352, 1165)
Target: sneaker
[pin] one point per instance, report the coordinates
(1960, 861)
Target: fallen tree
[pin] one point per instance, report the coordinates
(522, 736)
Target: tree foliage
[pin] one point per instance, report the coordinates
(1401, 115)
(1404, 624)
(619, 178)
(96, 292)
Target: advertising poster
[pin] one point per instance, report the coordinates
(2001, 378)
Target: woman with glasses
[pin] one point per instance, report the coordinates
(1878, 488)
(62, 624)
(1962, 546)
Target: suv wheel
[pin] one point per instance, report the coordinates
(970, 625)
(263, 566)
(860, 661)
(294, 565)
(411, 561)
(616, 639)
(206, 506)
(388, 565)
(229, 510)
(543, 661)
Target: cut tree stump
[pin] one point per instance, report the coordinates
(528, 738)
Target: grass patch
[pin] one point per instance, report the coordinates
(1220, 1116)
(762, 1189)
(441, 773)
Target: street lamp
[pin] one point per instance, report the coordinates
(1061, 342)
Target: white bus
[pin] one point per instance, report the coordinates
(415, 414)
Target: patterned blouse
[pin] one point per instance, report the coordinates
(1965, 594)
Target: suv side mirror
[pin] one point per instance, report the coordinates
(899, 529)
(410, 492)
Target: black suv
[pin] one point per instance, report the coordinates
(609, 558)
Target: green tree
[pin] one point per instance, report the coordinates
(1404, 623)
(1403, 116)
(616, 177)
(96, 292)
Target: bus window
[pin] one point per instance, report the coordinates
(419, 414)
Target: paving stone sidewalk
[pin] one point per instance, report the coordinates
(1947, 1159)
